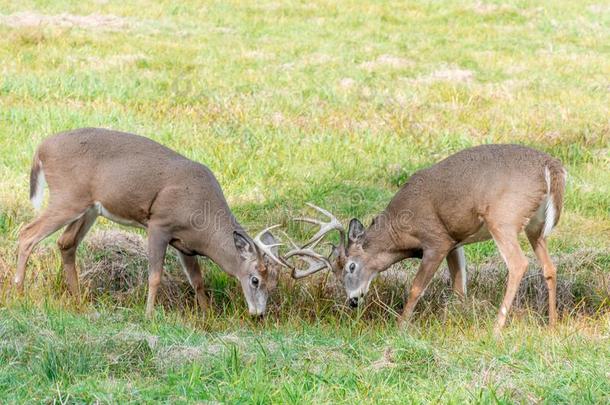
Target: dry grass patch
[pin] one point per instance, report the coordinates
(387, 61)
(347, 83)
(451, 75)
(65, 20)
(387, 360)
(117, 266)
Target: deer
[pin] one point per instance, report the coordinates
(135, 181)
(480, 193)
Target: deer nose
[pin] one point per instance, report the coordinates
(353, 302)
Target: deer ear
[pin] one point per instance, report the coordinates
(269, 239)
(356, 231)
(244, 246)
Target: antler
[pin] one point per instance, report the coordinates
(325, 227)
(315, 260)
(265, 248)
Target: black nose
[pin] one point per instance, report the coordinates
(353, 302)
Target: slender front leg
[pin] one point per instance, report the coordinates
(456, 261)
(193, 272)
(430, 262)
(157, 246)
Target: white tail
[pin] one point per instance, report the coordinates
(37, 196)
(549, 211)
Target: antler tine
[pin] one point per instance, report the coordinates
(320, 209)
(325, 227)
(294, 245)
(266, 248)
(321, 232)
(316, 262)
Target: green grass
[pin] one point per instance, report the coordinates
(53, 354)
(333, 103)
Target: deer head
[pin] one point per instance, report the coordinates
(259, 268)
(350, 261)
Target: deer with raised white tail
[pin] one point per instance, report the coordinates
(484, 192)
(135, 181)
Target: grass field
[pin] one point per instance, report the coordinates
(290, 102)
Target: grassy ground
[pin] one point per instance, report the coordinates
(336, 104)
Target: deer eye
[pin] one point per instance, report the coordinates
(352, 267)
(254, 281)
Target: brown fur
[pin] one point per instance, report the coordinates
(177, 200)
(476, 194)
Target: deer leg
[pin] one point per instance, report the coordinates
(456, 261)
(37, 230)
(516, 262)
(191, 267)
(430, 262)
(548, 269)
(68, 243)
(157, 246)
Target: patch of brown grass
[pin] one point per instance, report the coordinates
(114, 267)
(28, 36)
(65, 20)
(583, 288)
(387, 61)
(583, 285)
(451, 75)
(117, 266)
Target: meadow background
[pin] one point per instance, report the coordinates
(336, 103)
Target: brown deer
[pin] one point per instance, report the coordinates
(489, 191)
(135, 181)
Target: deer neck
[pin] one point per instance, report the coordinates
(386, 244)
(220, 247)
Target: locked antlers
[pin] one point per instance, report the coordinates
(315, 260)
(306, 253)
